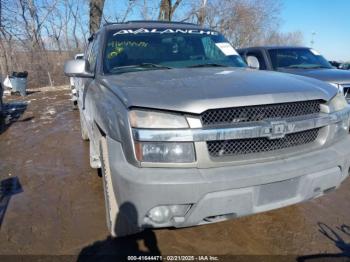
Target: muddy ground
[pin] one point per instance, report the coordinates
(52, 201)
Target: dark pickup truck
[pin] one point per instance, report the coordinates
(297, 60)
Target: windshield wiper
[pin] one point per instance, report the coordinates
(305, 66)
(316, 67)
(208, 65)
(144, 65)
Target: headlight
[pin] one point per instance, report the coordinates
(161, 152)
(165, 152)
(151, 119)
(338, 103)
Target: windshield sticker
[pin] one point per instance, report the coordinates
(118, 47)
(117, 51)
(314, 52)
(164, 31)
(128, 43)
(226, 48)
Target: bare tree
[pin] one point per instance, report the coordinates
(202, 13)
(96, 9)
(74, 10)
(243, 22)
(123, 11)
(144, 10)
(278, 38)
(38, 35)
(54, 29)
(167, 9)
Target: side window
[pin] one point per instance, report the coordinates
(92, 54)
(259, 56)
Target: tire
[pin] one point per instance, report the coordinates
(111, 204)
(83, 129)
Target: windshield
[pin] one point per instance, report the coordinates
(152, 49)
(302, 58)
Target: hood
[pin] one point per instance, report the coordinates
(329, 75)
(198, 89)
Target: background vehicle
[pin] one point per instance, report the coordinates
(74, 83)
(297, 60)
(335, 64)
(186, 135)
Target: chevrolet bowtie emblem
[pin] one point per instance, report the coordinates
(278, 129)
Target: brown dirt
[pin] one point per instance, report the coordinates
(59, 208)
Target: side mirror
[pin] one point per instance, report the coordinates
(253, 62)
(76, 68)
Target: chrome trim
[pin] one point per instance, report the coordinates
(269, 129)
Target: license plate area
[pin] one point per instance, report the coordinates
(277, 191)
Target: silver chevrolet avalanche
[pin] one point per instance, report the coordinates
(185, 134)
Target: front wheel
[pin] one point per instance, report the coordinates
(121, 221)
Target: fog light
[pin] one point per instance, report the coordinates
(160, 214)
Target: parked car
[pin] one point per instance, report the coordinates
(297, 60)
(74, 83)
(185, 134)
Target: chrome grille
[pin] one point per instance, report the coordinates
(226, 116)
(237, 147)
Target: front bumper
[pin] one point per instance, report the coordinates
(216, 194)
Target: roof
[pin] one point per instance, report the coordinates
(272, 47)
(151, 24)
